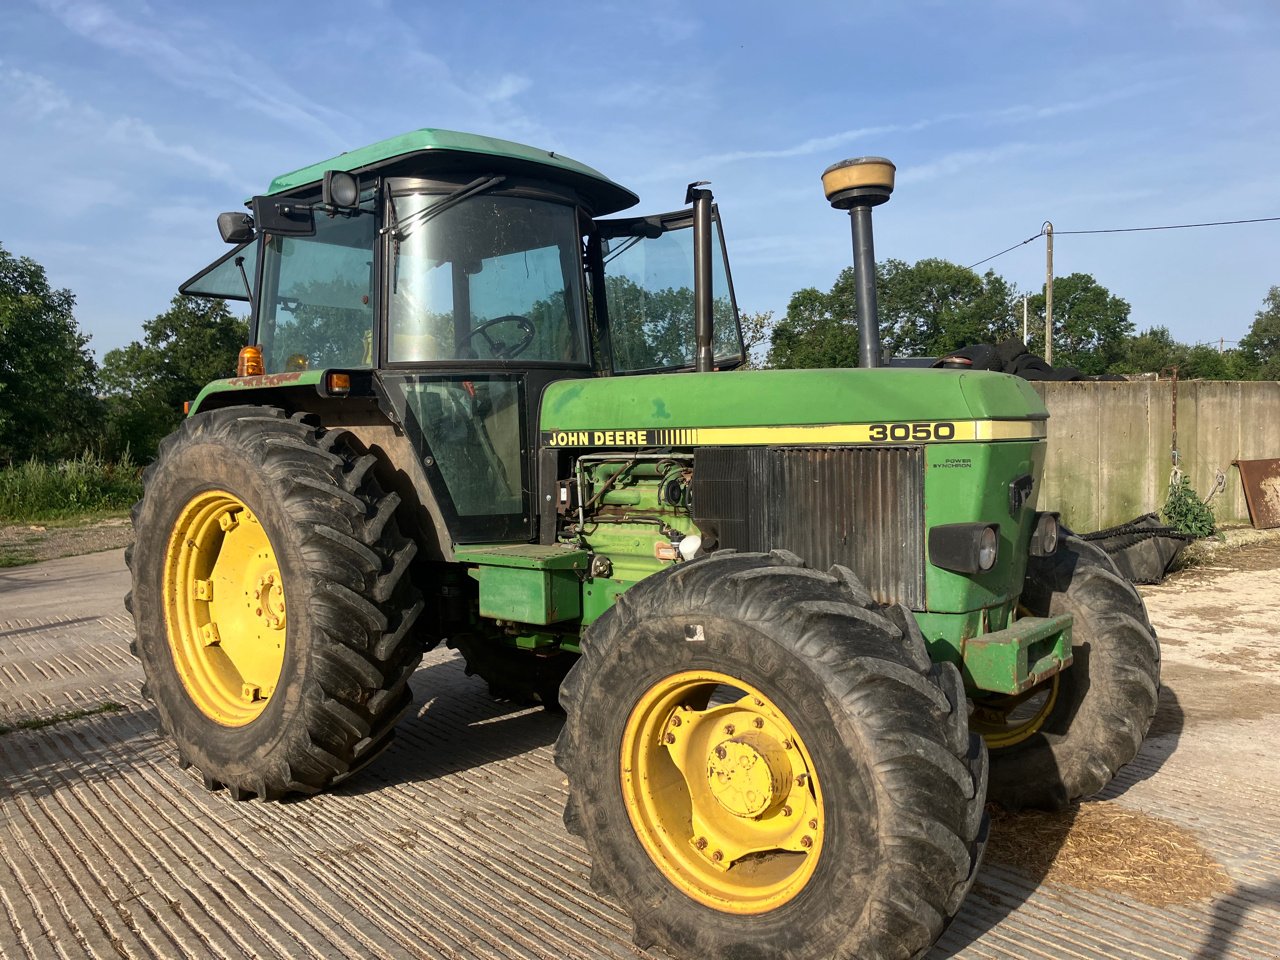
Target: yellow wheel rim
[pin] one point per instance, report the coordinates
(224, 602)
(722, 792)
(1003, 721)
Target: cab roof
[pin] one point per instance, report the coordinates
(430, 150)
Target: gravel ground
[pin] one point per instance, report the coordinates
(32, 542)
(451, 844)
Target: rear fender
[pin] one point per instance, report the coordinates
(398, 469)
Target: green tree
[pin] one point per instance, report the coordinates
(48, 408)
(933, 307)
(1155, 351)
(196, 340)
(1206, 362)
(756, 331)
(1260, 347)
(1149, 352)
(819, 329)
(1090, 324)
(927, 309)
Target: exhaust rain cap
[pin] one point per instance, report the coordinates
(862, 181)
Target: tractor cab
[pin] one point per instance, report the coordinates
(487, 255)
(468, 273)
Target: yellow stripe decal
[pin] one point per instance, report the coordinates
(887, 433)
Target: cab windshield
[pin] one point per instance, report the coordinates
(489, 278)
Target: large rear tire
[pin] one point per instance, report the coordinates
(272, 609)
(762, 766)
(1093, 717)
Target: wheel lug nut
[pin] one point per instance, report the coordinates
(669, 738)
(786, 744)
(806, 842)
(676, 721)
(701, 843)
(786, 811)
(721, 752)
(757, 701)
(717, 856)
(758, 722)
(802, 779)
(813, 824)
(728, 729)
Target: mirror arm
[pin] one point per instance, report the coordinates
(245, 277)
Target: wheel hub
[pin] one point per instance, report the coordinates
(270, 600)
(748, 775)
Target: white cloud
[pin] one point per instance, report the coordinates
(950, 164)
(198, 62)
(36, 98)
(505, 87)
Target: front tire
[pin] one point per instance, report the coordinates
(272, 610)
(761, 766)
(1096, 713)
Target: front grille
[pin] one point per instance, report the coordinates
(862, 507)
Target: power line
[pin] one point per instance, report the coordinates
(1171, 226)
(1021, 243)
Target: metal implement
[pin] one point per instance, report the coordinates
(1261, 480)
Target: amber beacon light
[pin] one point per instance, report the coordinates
(249, 363)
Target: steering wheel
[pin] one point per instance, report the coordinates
(500, 349)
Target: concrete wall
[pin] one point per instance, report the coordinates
(1109, 445)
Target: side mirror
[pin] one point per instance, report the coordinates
(284, 217)
(340, 189)
(235, 227)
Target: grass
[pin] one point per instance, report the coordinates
(41, 722)
(69, 489)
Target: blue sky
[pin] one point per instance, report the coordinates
(129, 125)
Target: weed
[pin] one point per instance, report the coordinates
(48, 491)
(39, 723)
(1185, 511)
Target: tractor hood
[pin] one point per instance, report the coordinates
(791, 407)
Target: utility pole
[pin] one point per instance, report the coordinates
(1047, 230)
(1024, 318)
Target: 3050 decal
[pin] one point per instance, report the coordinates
(921, 432)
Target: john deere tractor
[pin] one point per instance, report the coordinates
(803, 624)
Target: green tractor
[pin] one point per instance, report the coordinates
(803, 624)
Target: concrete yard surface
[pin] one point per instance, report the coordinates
(451, 844)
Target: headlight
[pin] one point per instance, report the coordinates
(988, 547)
(965, 547)
(1044, 537)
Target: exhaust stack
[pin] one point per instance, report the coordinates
(857, 185)
(704, 356)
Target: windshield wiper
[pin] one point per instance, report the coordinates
(401, 229)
